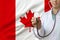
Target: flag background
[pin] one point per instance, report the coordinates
(10, 12)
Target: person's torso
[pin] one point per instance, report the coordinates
(48, 24)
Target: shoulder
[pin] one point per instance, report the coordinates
(45, 15)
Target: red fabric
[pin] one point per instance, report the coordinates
(46, 5)
(27, 21)
(7, 19)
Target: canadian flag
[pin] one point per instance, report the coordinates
(15, 18)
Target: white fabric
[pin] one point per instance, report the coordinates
(48, 23)
(22, 6)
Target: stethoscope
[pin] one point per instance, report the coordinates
(39, 36)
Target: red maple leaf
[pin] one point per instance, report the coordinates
(27, 21)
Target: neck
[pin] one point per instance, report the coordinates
(55, 10)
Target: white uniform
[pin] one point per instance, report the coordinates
(47, 26)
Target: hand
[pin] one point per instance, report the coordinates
(36, 22)
(33, 20)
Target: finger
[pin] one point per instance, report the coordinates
(33, 23)
(32, 20)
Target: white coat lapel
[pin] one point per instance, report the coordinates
(49, 22)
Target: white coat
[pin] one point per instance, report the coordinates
(47, 26)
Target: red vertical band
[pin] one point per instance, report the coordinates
(47, 5)
(7, 19)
